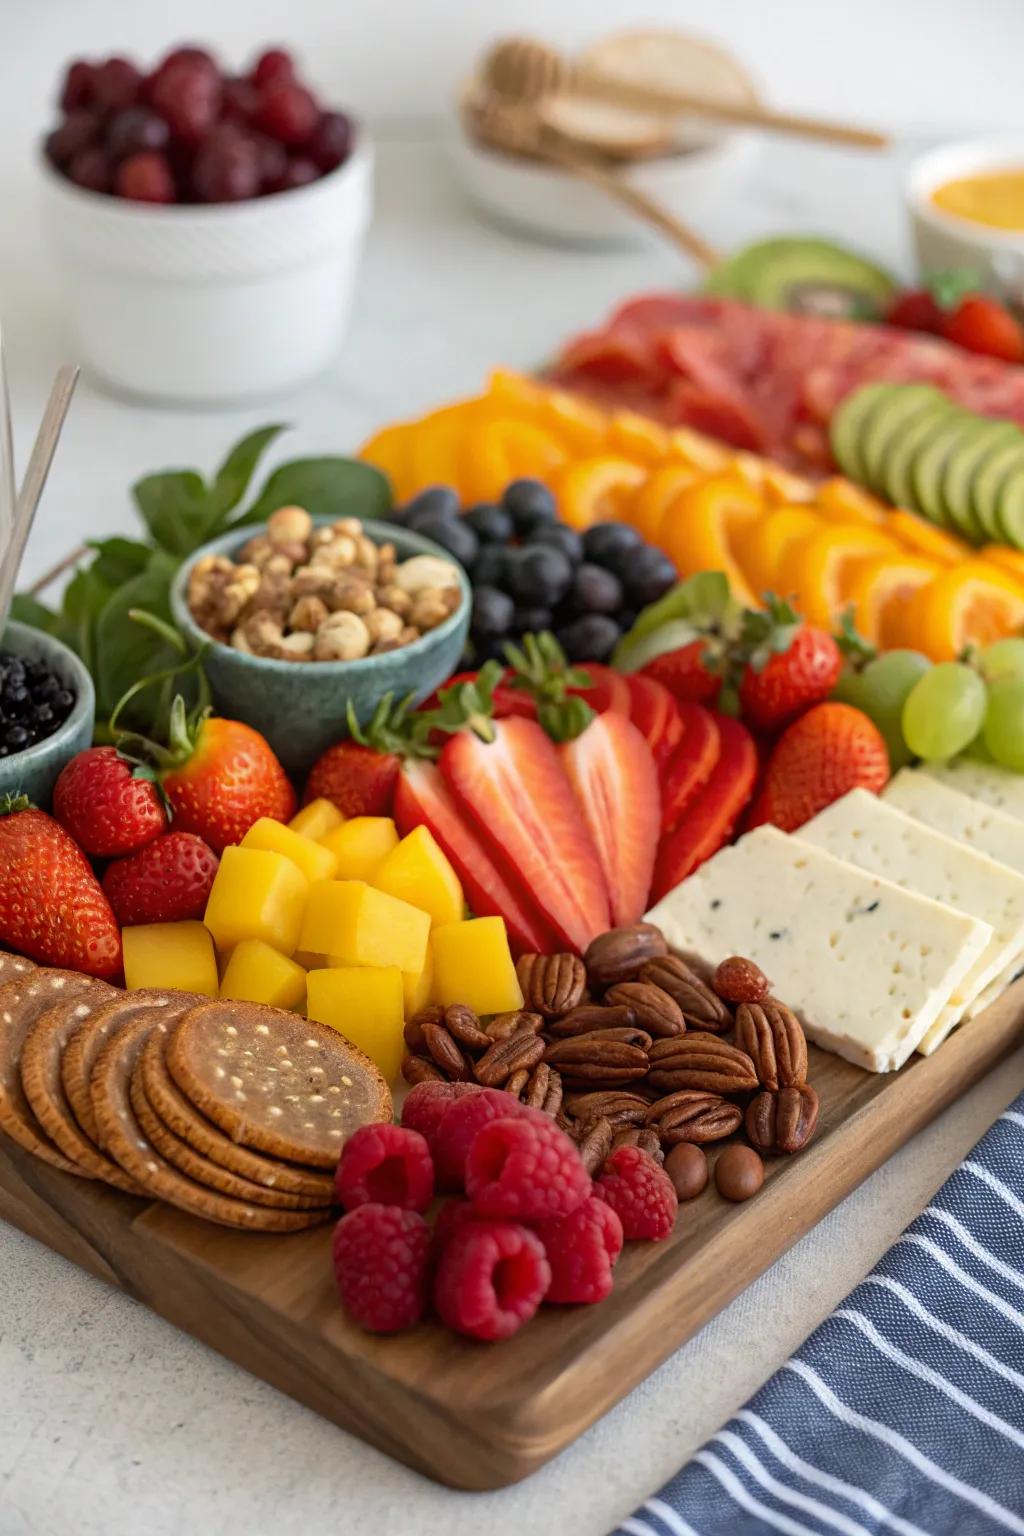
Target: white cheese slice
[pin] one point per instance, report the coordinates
(867, 966)
(951, 811)
(885, 841)
(986, 782)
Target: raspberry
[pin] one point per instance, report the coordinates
(641, 1194)
(460, 1125)
(385, 1165)
(738, 980)
(427, 1104)
(527, 1170)
(381, 1261)
(581, 1249)
(491, 1278)
(452, 1215)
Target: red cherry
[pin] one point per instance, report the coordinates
(188, 53)
(272, 159)
(136, 129)
(187, 95)
(330, 143)
(76, 131)
(146, 178)
(299, 172)
(91, 168)
(288, 112)
(77, 88)
(227, 167)
(240, 99)
(116, 83)
(275, 67)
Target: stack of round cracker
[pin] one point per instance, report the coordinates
(231, 1111)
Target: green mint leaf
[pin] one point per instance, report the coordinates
(126, 651)
(175, 507)
(118, 560)
(233, 477)
(634, 651)
(26, 609)
(327, 487)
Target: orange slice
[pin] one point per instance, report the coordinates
(972, 602)
(843, 502)
(760, 547)
(514, 394)
(700, 528)
(656, 495)
(598, 490)
(818, 567)
(879, 592)
(925, 539)
(581, 426)
(504, 449)
(784, 489)
(638, 437)
(1006, 559)
(435, 448)
(388, 451)
(702, 452)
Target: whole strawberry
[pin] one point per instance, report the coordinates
(109, 805)
(791, 666)
(359, 780)
(692, 674)
(830, 750)
(51, 905)
(168, 881)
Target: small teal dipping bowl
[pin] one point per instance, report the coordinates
(301, 707)
(34, 771)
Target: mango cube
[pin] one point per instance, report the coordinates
(166, 955)
(365, 1005)
(316, 819)
(356, 925)
(361, 846)
(418, 985)
(258, 974)
(418, 871)
(315, 861)
(256, 895)
(473, 965)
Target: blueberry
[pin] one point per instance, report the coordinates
(647, 575)
(595, 590)
(493, 613)
(17, 738)
(491, 524)
(591, 638)
(537, 574)
(18, 700)
(436, 498)
(606, 543)
(532, 621)
(489, 570)
(530, 503)
(452, 534)
(62, 703)
(562, 537)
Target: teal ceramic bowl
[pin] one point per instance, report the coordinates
(301, 706)
(34, 771)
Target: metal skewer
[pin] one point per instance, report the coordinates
(39, 463)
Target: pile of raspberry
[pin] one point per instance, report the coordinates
(523, 1222)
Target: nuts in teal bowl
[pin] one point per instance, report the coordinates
(301, 707)
(33, 771)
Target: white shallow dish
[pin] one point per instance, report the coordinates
(538, 200)
(943, 240)
(212, 305)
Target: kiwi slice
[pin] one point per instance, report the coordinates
(849, 422)
(1010, 509)
(990, 476)
(928, 467)
(886, 425)
(976, 443)
(894, 471)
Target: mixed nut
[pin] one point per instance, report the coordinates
(298, 592)
(626, 1047)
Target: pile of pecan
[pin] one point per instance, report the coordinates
(628, 1045)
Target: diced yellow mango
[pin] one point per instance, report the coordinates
(473, 965)
(256, 894)
(361, 846)
(316, 819)
(166, 955)
(418, 985)
(418, 871)
(356, 925)
(365, 1005)
(315, 861)
(258, 974)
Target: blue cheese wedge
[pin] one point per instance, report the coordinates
(949, 810)
(866, 965)
(986, 782)
(885, 841)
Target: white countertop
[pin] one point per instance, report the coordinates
(110, 1419)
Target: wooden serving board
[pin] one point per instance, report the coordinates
(474, 1415)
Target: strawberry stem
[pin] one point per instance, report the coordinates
(10, 805)
(539, 668)
(397, 729)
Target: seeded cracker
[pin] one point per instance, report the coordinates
(21, 1002)
(12, 966)
(83, 1048)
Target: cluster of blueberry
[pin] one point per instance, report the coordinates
(531, 572)
(33, 702)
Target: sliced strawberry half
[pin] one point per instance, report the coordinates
(516, 793)
(713, 814)
(423, 799)
(655, 714)
(506, 701)
(685, 674)
(690, 765)
(608, 689)
(615, 780)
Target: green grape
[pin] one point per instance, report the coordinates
(1004, 722)
(1004, 658)
(944, 711)
(880, 691)
(977, 749)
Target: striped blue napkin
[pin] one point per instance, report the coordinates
(904, 1411)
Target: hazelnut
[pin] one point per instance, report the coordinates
(381, 646)
(289, 525)
(273, 594)
(257, 551)
(313, 581)
(350, 525)
(367, 555)
(339, 552)
(351, 593)
(425, 571)
(386, 561)
(308, 614)
(263, 634)
(394, 598)
(240, 643)
(408, 635)
(429, 609)
(298, 647)
(280, 563)
(341, 637)
(382, 624)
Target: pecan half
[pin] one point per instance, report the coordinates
(694, 1115)
(504, 1025)
(516, 1084)
(595, 1144)
(445, 1051)
(416, 1069)
(653, 1009)
(618, 954)
(618, 1107)
(543, 1089)
(590, 1017)
(552, 984)
(462, 1023)
(783, 1121)
(699, 1005)
(605, 1056)
(413, 1032)
(772, 1036)
(518, 1053)
(699, 1060)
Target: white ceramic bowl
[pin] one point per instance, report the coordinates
(943, 240)
(536, 199)
(212, 305)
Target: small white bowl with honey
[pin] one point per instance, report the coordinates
(967, 207)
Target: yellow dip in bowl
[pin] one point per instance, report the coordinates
(994, 198)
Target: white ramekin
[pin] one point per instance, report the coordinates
(209, 306)
(941, 239)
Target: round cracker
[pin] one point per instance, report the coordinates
(274, 1081)
(121, 1136)
(188, 1161)
(21, 1002)
(82, 1050)
(189, 1126)
(13, 966)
